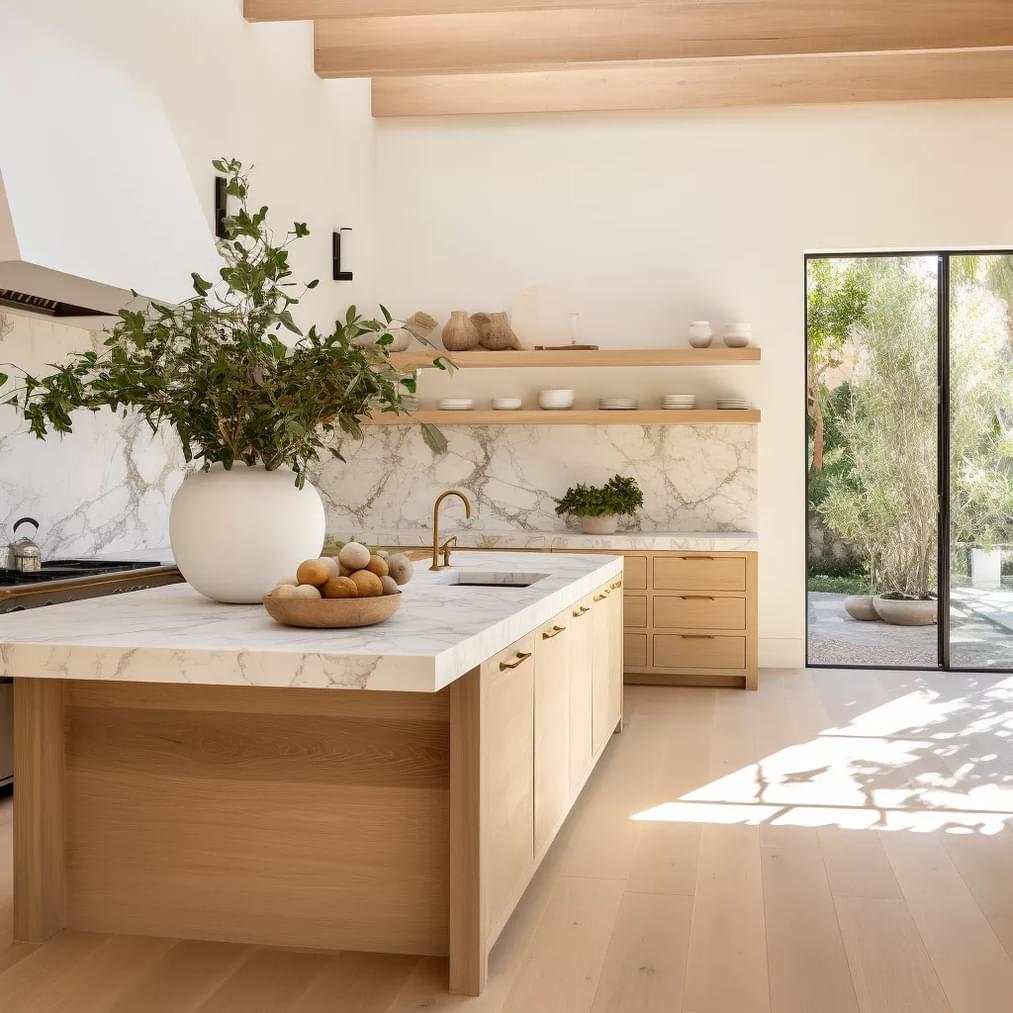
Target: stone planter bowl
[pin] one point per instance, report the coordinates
(860, 606)
(599, 525)
(906, 613)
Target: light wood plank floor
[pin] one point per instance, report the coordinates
(839, 842)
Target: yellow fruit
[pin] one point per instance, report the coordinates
(340, 587)
(307, 591)
(368, 584)
(314, 571)
(389, 585)
(354, 555)
(377, 565)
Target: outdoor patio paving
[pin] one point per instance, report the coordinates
(981, 633)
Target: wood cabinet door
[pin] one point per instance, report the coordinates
(508, 692)
(601, 660)
(553, 645)
(615, 614)
(581, 665)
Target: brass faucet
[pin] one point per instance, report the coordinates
(445, 548)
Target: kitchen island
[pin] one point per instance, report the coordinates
(190, 769)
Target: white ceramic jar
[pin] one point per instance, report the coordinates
(556, 400)
(700, 333)
(235, 533)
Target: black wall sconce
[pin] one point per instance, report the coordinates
(221, 207)
(339, 274)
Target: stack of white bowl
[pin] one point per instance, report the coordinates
(618, 404)
(737, 404)
(556, 400)
(455, 404)
(678, 402)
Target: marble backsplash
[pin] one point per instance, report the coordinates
(694, 478)
(106, 487)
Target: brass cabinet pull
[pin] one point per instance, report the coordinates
(582, 611)
(601, 597)
(696, 597)
(554, 632)
(696, 636)
(522, 656)
(698, 557)
(615, 587)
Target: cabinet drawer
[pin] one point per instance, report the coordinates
(635, 610)
(634, 572)
(699, 612)
(708, 573)
(674, 650)
(634, 650)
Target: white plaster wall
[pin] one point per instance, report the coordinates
(114, 110)
(642, 223)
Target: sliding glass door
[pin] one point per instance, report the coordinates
(872, 467)
(979, 631)
(909, 469)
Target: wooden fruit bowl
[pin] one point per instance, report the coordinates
(332, 613)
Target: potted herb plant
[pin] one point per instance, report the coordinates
(599, 507)
(251, 410)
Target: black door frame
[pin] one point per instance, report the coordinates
(943, 258)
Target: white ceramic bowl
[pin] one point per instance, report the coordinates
(555, 400)
(737, 340)
(739, 328)
(700, 329)
(700, 341)
(506, 404)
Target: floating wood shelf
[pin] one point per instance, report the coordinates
(696, 417)
(611, 357)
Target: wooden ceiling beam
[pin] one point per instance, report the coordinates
(705, 84)
(311, 10)
(465, 43)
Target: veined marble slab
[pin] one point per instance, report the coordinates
(629, 541)
(173, 634)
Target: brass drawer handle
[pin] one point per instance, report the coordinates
(582, 611)
(696, 597)
(615, 587)
(601, 597)
(711, 558)
(696, 636)
(522, 656)
(554, 632)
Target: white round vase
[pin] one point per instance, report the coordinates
(235, 533)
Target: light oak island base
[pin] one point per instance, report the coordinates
(333, 820)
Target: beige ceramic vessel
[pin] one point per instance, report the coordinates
(459, 333)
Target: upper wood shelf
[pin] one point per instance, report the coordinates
(611, 357)
(573, 417)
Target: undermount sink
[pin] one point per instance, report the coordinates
(465, 578)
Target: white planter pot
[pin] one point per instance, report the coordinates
(986, 567)
(599, 525)
(235, 533)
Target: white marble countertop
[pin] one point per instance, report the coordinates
(173, 634)
(656, 541)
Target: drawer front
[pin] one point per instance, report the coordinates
(635, 611)
(708, 573)
(634, 572)
(699, 612)
(674, 650)
(634, 650)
